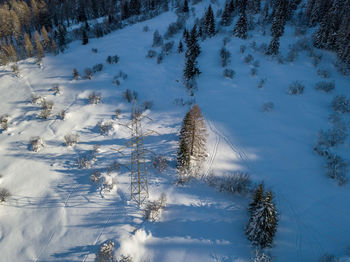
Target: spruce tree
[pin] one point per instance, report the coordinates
(227, 14)
(209, 22)
(274, 46)
(61, 37)
(240, 29)
(180, 48)
(39, 48)
(193, 50)
(263, 221)
(185, 8)
(46, 38)
(186, 36)
(279, 18)
(257, 198)
(85, 39)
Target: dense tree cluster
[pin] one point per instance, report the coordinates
(193, 50)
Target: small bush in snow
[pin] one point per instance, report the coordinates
(76, 75)
(236, 183)
(168, 47)
(151, 54)
(124, 258)
(4, 122)
(94, 50)
(36, 143)
(292, 55)
(248, 59)
(296, 88)
(147, 105)
(160, 58)
(229, 73)
(94, 98)
(332, 137)
(324, 73)
(268, 107)
(46, 109)
(117, 113)
(36, 99)
(88, 73)
(56, 89)
(175, 27)
(253, 71)
(242, 48)
(4, 194)
(226, 40)
(325, 86)
(15, 69)
(85, 161)
(225, 57)
(261, 82)
(97, 68)
(130, 96)
(157, 39)
(115, 166)
(106, 252)
(145, 28)
(71, 139)
(62, 114)
(153, 209)
(341, 104)
(160, 163)
(328, 258)
(256, 63)
(95, 176)
(105, 127)
(113, 59)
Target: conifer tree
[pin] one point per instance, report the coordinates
(209, 22)
(263, 221)
(193, 50)
(180, 48)
(61, 37)
(186, 36)
(28, 46)
(185, 8)
(45, 37)
(240, 29)
(279, 18)
(274, 46)
(85, 38)
(39, 48)
(227, 14)
(157, 39)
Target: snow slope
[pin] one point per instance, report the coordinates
(56, 213)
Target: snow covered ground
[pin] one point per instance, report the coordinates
(57, 214)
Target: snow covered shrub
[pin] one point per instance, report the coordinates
(97, 68)
(334, 136)
(88, 73)
(268, 107)
(157, 39)
(242, 48)
(105, 127)
(296, 88)
(147, 105)
(328, 258)
(153, 209)
(129, 96)
(324, 73)
(253, 71)
(168, 47)
(4, 194)
(36, 99)
(160, 163)
(235, 183)
(151, 53)
(4, 122)
(94, 50)
(117, 113)
(229, 73)
(106, 253)
(248, 59)
(62, 114)
(145, 28)
(124, 258)
(113, 59)
(261, 82)
(85, 161)
(341, 104)
(337, 168)
(225, 57)
(94, 98)
(71, 139)
(160, 58)
(15, 69)
(46, 109)
(36, 143)
(325, 86)
(95, 176)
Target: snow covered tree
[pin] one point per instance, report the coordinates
(257, 198)
(192, 145)
(274, 46)
(263, 221)
(240, 29)
(193, 50)
(209, 22)
(227, 14)
(279, 18)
